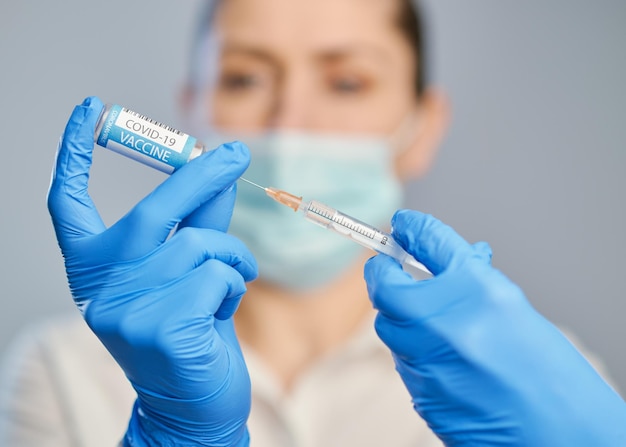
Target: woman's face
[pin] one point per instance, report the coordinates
(317, 65)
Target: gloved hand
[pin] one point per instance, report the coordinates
(162, 306)
(482, 366)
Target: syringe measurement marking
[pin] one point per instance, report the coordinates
(342, 221)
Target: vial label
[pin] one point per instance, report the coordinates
(150, 142)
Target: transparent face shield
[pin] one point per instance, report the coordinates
(205, 78)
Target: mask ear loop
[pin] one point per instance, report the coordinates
(406, 132)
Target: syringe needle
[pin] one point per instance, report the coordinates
(253, 184)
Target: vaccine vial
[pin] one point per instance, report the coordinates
(145, 140)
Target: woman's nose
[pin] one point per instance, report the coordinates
(292, 104)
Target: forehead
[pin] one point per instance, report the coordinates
(309, 25)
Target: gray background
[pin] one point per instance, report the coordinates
(533, 163)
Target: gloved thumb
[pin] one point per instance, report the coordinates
(214, 214)
(432, 242)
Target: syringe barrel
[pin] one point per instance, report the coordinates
(361, 233)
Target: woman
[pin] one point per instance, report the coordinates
(312, 87)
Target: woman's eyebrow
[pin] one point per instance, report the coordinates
(352, 51)
(333, 54)
(249, 51)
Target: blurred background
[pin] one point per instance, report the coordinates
(534, 162)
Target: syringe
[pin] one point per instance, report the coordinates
(340, 223)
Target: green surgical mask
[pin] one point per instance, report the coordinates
(350, 173)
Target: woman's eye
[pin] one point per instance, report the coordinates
(238, 81)
(347, 85)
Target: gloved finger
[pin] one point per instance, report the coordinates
(167, 319)
(195, 296)
(214, 214)
(430, 241)
(226, 329)
(221, 288)
(391, 290)
(399, 297)
(228, 307)
(150, 222)
(483, 251)
(405, 340)
(73, 213)
(189, 248)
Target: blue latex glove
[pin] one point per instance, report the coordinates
(162, 306)
(483, 367)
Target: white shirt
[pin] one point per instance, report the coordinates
(61, 388)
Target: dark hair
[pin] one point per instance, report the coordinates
(409, 20)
